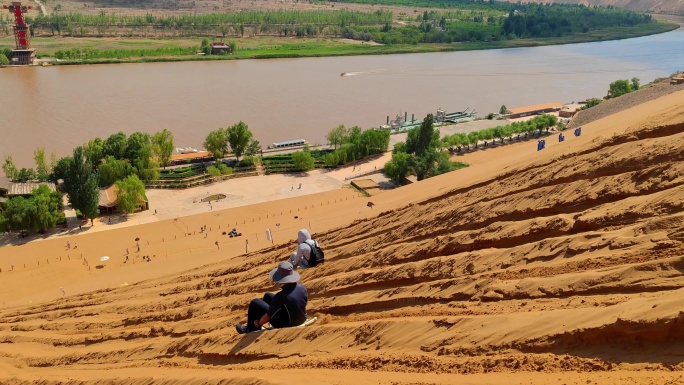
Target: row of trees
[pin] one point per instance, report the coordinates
(522, 21)
(353, 144)
(423, 153)
(94, 53)
(118, 156)
(538, 20)
(204, 21)
(42, 172)
(238, 136)
(114, 159)
(536, 124)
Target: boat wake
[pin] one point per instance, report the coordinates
(356, 73)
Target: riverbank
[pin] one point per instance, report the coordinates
(155, 50)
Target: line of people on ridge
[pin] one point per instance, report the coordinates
(287, 308)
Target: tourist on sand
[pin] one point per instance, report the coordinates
(285, 309)
(300, 258)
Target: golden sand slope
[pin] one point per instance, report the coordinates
(562, 266)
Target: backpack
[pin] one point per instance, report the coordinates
(317, 255)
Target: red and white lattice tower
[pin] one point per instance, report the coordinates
(23, 53)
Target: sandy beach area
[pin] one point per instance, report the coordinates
(527, 267)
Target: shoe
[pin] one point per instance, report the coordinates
(241, 329)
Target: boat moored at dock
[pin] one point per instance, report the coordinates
(288, 144)
(441, 118)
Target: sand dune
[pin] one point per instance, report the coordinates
(560, 266)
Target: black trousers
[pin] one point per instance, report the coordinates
(257, 309)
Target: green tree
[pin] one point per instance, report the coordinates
(303, 160)
(4, 224)
(503, 110)
(139, 153)
(163, 146)
(425, 165)
(130, 194)
(473, 138)
(635, 83)
(42, 169)
(82, 185)
(619, 88)
(217, 143)
(4, 60)
(61, 169)
(138, 147)
(46, 208)
(253, 148)
(19, 213)
(94, 151)
(11, 171)
(337, 136)
(399, 167)
(233, 46)
(424, 138)
(239, 137)
(112, 170)
(26, 175)
(115, 145)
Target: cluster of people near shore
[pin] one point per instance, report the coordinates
(287, 308)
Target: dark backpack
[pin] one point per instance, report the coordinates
(317, 255)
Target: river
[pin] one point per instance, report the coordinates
(61, 107)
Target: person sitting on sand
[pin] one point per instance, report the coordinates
(300, 259)
(285, 309)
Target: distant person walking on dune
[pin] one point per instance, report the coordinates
(285, 309)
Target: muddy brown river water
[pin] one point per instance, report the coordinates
(61, 107)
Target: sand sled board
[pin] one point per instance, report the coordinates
(308, 322)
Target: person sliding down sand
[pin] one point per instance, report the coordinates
(285, 309)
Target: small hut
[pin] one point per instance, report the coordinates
(219, 48)
(107, 199)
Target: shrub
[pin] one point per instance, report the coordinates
(224, 170)
(213, 171)
(247, 161)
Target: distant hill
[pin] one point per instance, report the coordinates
(669, 7)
